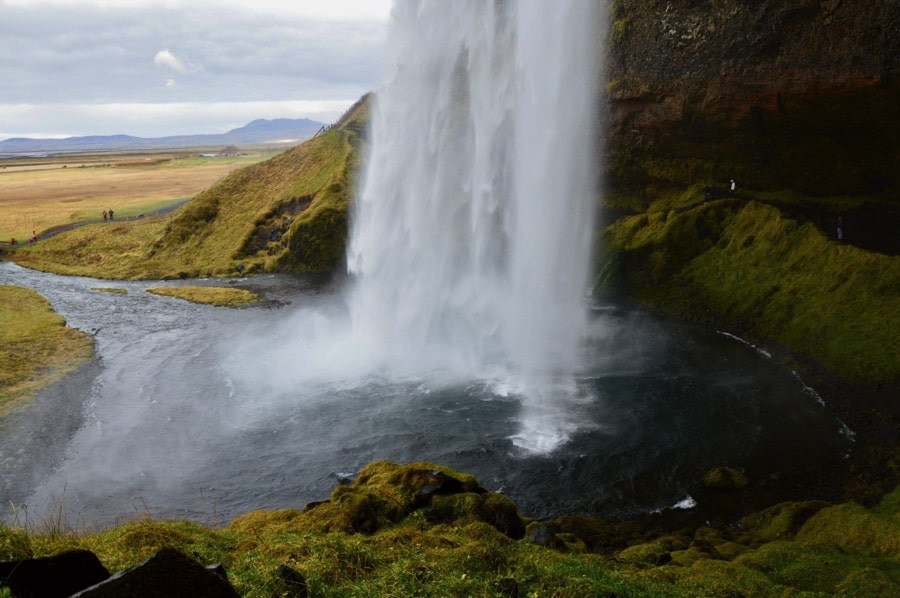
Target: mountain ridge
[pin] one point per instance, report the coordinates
(256, 132)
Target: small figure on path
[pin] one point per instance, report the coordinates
(733, 186)
(104, 215)
(840, 228)
(110, 214)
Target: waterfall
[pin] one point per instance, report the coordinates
(471, 237)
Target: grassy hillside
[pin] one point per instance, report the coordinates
(391, 533)
(745, 264)
(288, 213)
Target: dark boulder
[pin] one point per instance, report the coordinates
(544, 534)
(167, 574)
(501, 512)
(48, 577)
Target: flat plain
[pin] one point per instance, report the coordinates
(39, 193)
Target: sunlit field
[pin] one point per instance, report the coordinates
(37, 194)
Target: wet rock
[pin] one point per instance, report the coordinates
(167, 574)
(544, 534)
(61, 575)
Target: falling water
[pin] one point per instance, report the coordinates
(472, 232)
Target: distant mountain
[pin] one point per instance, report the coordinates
(257, 132)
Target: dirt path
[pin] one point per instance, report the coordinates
(55, 230)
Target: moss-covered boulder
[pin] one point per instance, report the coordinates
(385, 493)
(725, 478)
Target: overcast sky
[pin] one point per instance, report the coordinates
(153, 68)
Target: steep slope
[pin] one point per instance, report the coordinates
(288, 213)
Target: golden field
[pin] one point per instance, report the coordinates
(37, 194)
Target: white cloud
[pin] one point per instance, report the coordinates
(165, 58)
(198, 53)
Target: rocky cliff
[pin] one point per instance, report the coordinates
(800, 94)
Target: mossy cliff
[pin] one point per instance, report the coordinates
(800, 94)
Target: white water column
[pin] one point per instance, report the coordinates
(471, 237)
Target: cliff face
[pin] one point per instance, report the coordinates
(801, 94)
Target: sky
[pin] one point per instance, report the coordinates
(153, 68)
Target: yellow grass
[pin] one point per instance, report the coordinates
(301, 195)
(218, 296)
(36, 346)
(36, 197)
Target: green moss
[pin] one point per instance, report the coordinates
(725, 478)
(652, 553)
(748, 266)
(620, 29)
(852, 529)
(797, 549)
(778, 522)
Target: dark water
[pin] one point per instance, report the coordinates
(203, 413)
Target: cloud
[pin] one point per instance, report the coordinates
(145, 52)
(165, 58)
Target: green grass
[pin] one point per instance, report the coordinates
(36, 346)
(803, 549)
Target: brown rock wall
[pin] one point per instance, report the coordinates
(788, 93)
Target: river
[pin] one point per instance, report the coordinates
(202, 413)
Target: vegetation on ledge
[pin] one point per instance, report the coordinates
(218, 296)
(36, 346)
(426, 530)
(744, 263)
